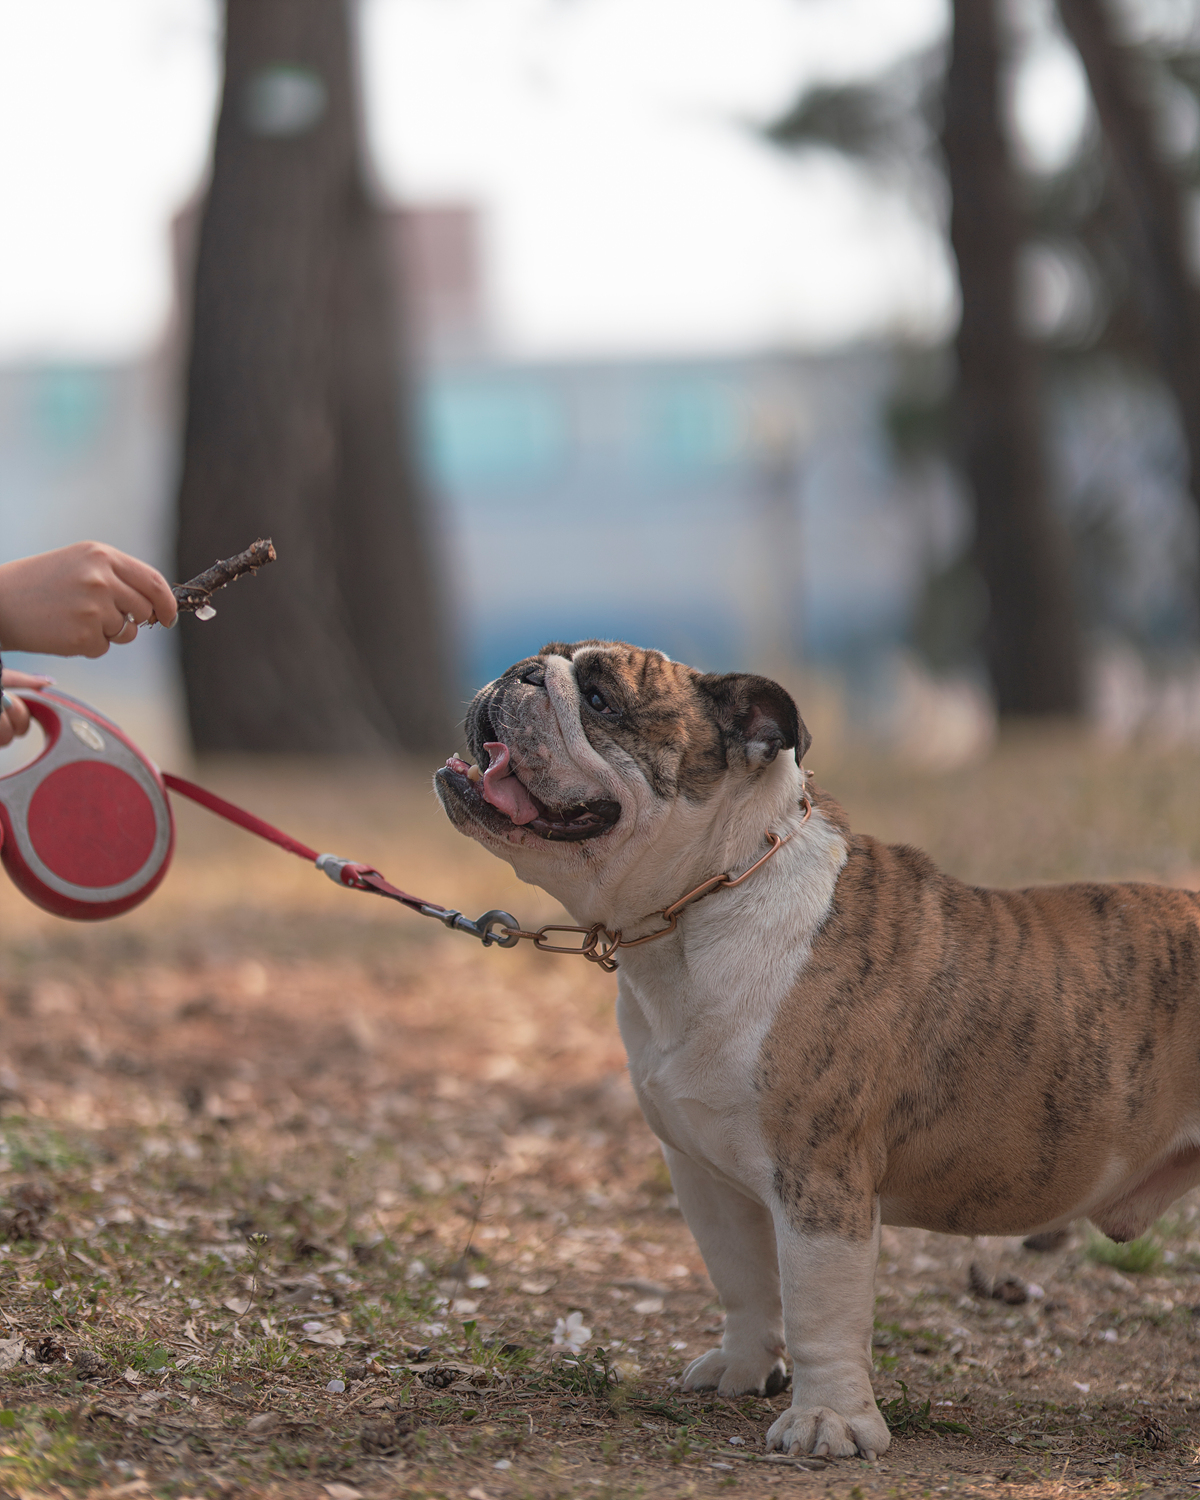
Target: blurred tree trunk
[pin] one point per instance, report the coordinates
(1153, 210)
(294, 427)
(1032, 641)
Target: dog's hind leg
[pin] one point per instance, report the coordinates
(736, 1236)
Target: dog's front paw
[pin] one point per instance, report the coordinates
(822, 1431)
(760, 1373)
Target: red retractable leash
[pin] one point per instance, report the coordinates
(87, 832)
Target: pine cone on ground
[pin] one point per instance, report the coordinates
(1154, 1434)
(391, 1435)
(88, 1365)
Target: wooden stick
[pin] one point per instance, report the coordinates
(196, 594)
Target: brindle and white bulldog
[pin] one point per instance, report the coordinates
(847, 1038)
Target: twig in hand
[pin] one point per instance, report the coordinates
(196, 594)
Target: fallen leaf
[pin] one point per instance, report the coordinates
(536, 1288)
(12, 1352)
(264, 1422)
(239, 1306)
(342, 1492)
(648, 1305)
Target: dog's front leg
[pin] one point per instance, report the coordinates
(828, 1313)
(737, 1240)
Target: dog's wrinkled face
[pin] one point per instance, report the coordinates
(584, 746)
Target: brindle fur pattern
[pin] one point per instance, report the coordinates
(1032, 1038)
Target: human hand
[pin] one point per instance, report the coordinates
(79, 600)
(14, 719)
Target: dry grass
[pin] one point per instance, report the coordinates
(259, 1104)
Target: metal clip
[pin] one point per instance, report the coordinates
(491, 919)
(482, 928)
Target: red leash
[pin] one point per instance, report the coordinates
(349, 872)
(86, 830)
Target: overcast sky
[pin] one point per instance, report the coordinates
(628, 208)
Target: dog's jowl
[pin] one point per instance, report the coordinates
(846, 1038)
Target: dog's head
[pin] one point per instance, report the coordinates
(590, 754)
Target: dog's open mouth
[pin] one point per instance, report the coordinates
(499, 797)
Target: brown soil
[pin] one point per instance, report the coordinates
(416, 1125)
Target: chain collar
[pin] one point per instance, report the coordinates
(600, 944)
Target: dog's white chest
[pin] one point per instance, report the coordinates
(695, 1082)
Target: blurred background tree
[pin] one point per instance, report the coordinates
(296, 412)
(1105, 235)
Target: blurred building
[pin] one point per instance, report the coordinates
(731, 511)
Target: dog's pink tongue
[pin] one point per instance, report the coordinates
(502, 789)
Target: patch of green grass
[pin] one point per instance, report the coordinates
(1135, 1258)
(33, 1145)
(590, 1375)
(40, 1448)
(147, 1356)
(904, 1417)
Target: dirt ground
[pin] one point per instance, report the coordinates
(297, 1190)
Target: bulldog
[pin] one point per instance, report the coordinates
(847, 1037)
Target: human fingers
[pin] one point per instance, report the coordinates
(125, 609)
(10, 677)
(149, 584)
(120, 628)
(131, 601)
(15, 715)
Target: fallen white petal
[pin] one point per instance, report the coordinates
(328, 1338)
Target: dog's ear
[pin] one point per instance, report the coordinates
(756, 714)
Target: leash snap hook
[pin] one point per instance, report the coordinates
(490, 920)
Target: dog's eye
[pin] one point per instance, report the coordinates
(594, 698)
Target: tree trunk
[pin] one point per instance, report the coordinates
(1031, 641)
(294, 420)
(1153, 211)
